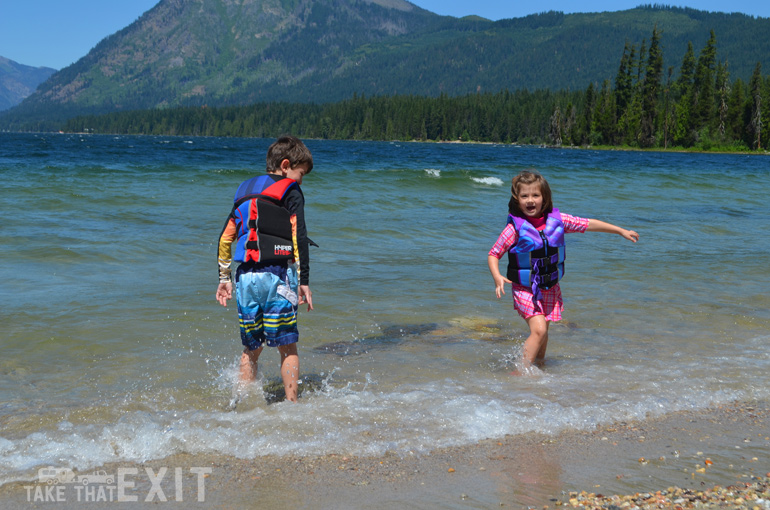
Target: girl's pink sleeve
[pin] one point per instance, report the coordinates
(507, 239)
(574, 224)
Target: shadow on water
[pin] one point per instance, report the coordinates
(389, 337)
(456, 331)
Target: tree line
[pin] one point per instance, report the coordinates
(646, 106)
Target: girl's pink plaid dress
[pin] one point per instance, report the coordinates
(551, 305)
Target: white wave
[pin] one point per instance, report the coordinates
(489, 181)
(404, 420)
(433, 172)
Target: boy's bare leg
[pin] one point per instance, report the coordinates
(247, 373)
(289, 370)
(248, 370)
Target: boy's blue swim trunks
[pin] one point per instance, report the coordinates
(267, 306)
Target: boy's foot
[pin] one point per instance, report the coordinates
(530, 369)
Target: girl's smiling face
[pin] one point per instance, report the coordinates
(530, 198)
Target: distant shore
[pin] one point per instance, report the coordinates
(719, 456)
(625, 148)
(762, 152)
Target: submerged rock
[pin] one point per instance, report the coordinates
(274, 391)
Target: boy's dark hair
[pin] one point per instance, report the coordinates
(529, 177)
(291, 148)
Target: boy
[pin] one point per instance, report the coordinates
(268, 224)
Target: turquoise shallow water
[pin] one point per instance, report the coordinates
(114, 348)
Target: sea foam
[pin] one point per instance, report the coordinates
(489, 181)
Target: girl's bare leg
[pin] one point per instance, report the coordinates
(537, 342)
(540, 358)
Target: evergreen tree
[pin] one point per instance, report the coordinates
(683, 91)
(755, 108)
(686, 73)
(629, 120)
(605, 121)
(623, 81)
(629, 125)
(651, 91)
(723, 98)
(766, 111)
(735, 122)
(640, 64)
(588, 113)
(702, 104)
(556, 127)
(669, 110)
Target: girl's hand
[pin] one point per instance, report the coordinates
(500, 282)
(630, 235)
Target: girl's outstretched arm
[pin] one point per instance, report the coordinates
(500, 280)
(609, 228)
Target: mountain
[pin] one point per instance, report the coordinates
(222, 52)
(18, 81)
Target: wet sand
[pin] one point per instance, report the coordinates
(717, 458)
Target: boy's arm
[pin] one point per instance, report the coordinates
(295, 203)
(225, 259)
(303, 243)
(609, 228)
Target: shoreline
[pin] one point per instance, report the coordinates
(621, 148)
(680, 457)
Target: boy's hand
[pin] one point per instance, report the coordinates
(224, 292)
(305, 296)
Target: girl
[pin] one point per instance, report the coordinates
(534, 240)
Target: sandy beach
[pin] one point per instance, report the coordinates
(717, 458)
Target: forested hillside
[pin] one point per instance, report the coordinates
(228, 52)
(645, 105)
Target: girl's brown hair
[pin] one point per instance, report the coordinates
(529, 177)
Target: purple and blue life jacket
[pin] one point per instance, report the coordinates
(537, 259)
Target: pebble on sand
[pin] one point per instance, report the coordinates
(751, 495)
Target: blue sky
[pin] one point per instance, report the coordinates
(56, 33)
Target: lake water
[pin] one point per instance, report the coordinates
(114, 349)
